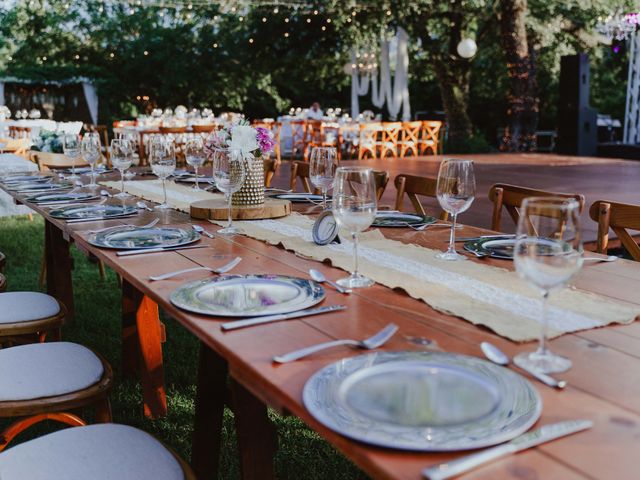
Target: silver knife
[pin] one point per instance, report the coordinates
(156, 250)
(276, 318)
(544, 434)
(482, 237)
(98, 219)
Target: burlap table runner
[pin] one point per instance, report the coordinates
(482, 294)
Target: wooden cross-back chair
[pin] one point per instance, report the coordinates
(430, 137)
(618, 217)
(322, 134)
(300, 171)
(103, 133)
(57, 162)
(511, 197)
(298, 136)
(270, 167)
(19, 132)
(410, 138)
(414, 186)
(369, 139)
(390, 138)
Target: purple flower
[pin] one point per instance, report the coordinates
(265, 139)
(217, 139)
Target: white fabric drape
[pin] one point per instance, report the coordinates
(1, 93)
(91, 97)
(395, 95)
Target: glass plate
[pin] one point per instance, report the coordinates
(92, 211)
(422, 401)
(503, 247)
(248, 296)
(39, 187)
(62, 197)
(395, 219)
(128, 238)
(299, 197)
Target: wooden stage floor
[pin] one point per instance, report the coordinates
(595, 178)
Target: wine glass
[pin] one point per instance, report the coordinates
(547, 253)
(321, 168)
(71, 149)
(229, 172)
(121, 158)
(354, 207)
(162, 156)
(455, 191)
(195, 155)
(91, 151)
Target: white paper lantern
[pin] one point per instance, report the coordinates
(467, 48)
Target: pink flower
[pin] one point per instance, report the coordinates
(265, 140)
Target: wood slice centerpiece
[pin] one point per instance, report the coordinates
(216, 209)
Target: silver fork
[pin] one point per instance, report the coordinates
(219, 270)
(370, 343)
(125, 225)
(426, 225)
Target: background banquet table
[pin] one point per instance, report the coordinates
(600, 389)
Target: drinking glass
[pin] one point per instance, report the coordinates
(354, 207)
(195, 155)
(121, 159)
(71, 149)
(548, 252)
(162, 156)
(229, 172)
(455, 191)
(91, 151)
(321, 168)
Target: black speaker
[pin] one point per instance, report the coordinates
(577, 121)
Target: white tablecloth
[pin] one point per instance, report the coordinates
(42, 124)
(10, 163)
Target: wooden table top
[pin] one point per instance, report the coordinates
(603, 383)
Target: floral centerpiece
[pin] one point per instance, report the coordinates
(254, 144)
(47, 141)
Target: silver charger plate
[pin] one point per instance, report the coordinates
(422, 401)
(248, 295)
(39, 178)
(33, 187)
(72, 212)
(62, 197)
(135, 238)
(503, 247)
(399, 219)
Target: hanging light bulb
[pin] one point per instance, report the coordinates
(467, 48)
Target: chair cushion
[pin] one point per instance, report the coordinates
(25, 306)
(96, 452)
(46, 369)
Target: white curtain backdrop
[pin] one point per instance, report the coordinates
(396, 96)
(92, 100)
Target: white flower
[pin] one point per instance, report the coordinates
(244, 138)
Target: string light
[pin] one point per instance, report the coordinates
(286, 34)
(264, 19)
(315, 12)
(77, 57)
(215, 45)
(251, 40)
(324, 28)
(111, 55)
(328, 20)
(241, 19)
(308, 20)
(146, 53)
(275, 10)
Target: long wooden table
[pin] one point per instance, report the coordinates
(603, 383)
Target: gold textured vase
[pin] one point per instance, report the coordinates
(252, 191)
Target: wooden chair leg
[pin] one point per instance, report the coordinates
(101, 269)
(103, 411)
(30, 216)
(21, 425)
(42, 278)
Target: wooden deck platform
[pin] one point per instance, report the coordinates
(595, 178)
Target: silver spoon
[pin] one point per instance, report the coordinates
(320, 278)
(104, 193)
(370, 343)
(426, 225)
(143, 206)
(610, 258)
(201, 231)
(497, 356)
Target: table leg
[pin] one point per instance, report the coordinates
(257, 437)
(142, 340)
(59, 265)
(210, 401)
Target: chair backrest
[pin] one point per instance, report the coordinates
(270, 167)
(411, 131)
(203, 128)
(300, 170)
(619, 217)
(391, 131)
(19, 132)
(511, 197)
(430, 136)
(48, 161)
(412, 186)
(381, 177)
(165, 130)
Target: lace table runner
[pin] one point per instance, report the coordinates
(179, 197)
(482, 294)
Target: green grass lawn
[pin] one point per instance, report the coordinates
(302, 453)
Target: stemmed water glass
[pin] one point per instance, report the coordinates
(162, 156)
(195, 155)
(455, 191)
(121, 159)
(548, 252)
(354, 207)
(91, 150)
(229, 172)
(321, 169)
(71, 149)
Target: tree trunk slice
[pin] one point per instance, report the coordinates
(216, 209)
